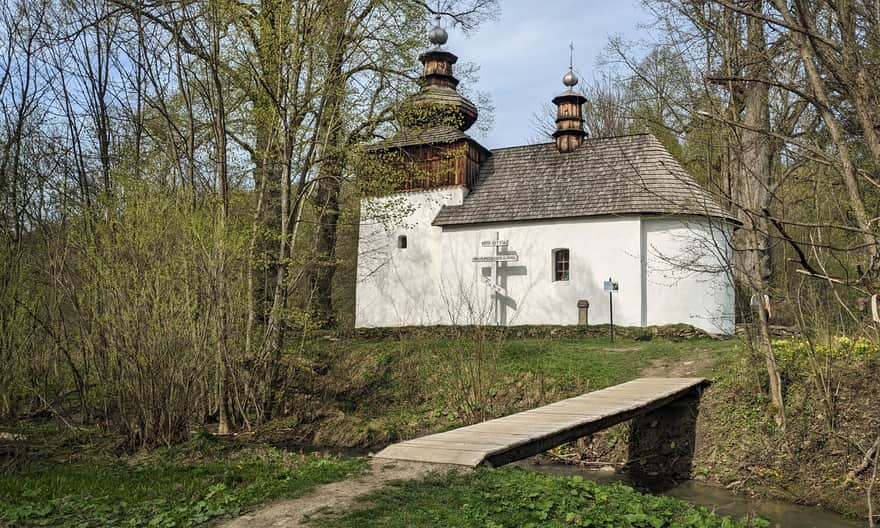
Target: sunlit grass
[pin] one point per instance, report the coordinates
(90, 485)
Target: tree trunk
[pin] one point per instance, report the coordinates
(272, 23)
(756, 158)
(220, 166)
(753, 194)
(330, 170)
(322, 273)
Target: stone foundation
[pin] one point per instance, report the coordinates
(661, 444)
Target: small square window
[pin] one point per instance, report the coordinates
(561, 264)
(401, 242)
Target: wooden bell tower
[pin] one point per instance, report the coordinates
(570, 131)
(432, 147)
(438, 102)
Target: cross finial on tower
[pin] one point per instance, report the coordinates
(570, 78)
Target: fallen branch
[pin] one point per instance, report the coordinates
(825, 277)
(869, 458)
(871, 523)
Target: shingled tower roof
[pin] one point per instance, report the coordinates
(438, 102)
(622, 175)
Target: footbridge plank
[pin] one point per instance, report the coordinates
(503, 440)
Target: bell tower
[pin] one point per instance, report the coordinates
(570, 131)
(438, 102)
(432, 147)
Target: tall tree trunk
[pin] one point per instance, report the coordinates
(754, 194)
(322, 273)
(326, 196)
(273, 21)
(218, 105)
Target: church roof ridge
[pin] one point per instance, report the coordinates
(589, 139)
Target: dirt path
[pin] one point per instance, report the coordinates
(336, 497)
(693, 366)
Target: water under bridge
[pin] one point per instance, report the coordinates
(663, 413)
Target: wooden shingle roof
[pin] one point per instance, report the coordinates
(426, 136)
(621, 175)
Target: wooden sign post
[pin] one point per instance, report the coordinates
(494, 279)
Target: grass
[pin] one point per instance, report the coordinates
(598, 360)
(806, 462)
(513, 497)
(78, 481)
(376, 391)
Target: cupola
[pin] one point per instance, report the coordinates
(431, 150)
(570, 131)
(438, 102)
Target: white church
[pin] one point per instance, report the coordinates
(558, 233)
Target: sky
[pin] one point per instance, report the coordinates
(524, 54)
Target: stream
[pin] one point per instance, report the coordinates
(779, 513)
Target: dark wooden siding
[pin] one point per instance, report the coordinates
(432, 166)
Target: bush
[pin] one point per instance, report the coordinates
(793, 354)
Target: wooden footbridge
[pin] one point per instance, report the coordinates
(665, 402)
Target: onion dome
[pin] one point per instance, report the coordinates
(438, 36)
(570, 79)
(438, 103)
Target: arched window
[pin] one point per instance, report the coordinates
(561, 265)
(401, 242)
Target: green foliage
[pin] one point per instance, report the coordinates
(419, 113)
(146, 280)
(512, 497)
(185, 486)
(793, 354)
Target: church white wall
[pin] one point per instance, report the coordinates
(434, 281)
(398, 287)
(598, 248)
(687, 276)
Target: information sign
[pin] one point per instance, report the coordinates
(497, 258)
(494, 243)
